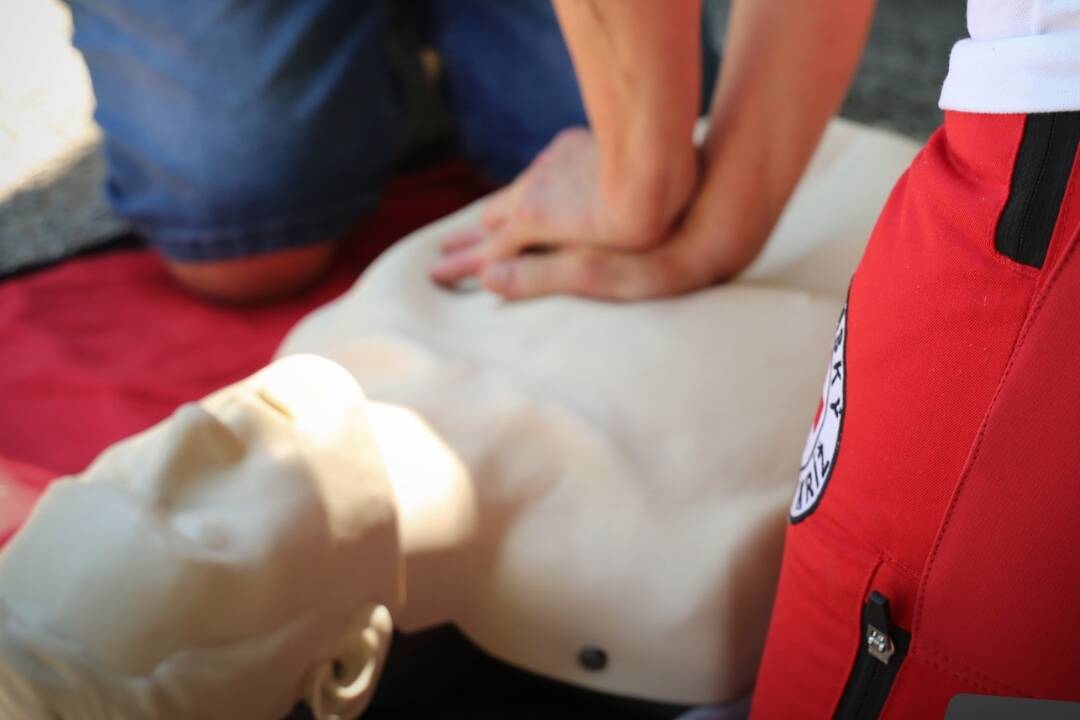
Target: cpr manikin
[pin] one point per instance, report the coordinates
(559, 475)
(228, 561)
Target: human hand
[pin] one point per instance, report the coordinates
(717, 236)
(560, 203)
(685, 261)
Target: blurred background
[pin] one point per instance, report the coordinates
(51, 168)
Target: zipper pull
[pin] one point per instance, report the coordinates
(878, 642)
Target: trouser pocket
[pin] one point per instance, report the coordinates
(816, 633)
(882, 651)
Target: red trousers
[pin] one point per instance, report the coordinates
(934, 546)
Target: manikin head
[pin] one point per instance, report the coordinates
(252, 536)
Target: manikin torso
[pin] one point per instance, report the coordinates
(573, 474)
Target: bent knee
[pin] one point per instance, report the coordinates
(260, 278)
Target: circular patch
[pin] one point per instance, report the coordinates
(823, 442)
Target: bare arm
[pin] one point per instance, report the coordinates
(624, 183)
(638, 63)
(786, 67)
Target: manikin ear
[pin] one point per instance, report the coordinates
(341, 687)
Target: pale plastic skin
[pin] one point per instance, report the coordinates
(617, 476)
(216, 566)
(561, 474)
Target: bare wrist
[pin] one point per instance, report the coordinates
(645, 197)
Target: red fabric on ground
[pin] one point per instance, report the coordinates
(100, 347)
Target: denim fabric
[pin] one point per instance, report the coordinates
(510, 84)
(238, 127)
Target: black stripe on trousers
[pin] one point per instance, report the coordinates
(1040, 175)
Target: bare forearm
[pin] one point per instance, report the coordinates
(786, 68)
(638, 65)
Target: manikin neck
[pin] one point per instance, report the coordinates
(437, 512)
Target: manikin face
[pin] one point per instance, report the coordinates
(234, 559)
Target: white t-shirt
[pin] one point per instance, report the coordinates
(1023, 56)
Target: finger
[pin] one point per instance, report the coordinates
(501, 244)
(594, 273)
(542, 219)
(523, 232)
(455, 267)
(461, 240)
(582, 272)
(496, 212)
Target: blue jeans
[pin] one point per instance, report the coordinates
(238, 127)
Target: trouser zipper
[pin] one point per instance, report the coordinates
(882, 649)
(1040, 176)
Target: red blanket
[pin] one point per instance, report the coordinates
(100, 347)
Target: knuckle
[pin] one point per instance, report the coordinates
(654, 277)
(640, 241)
(675, 273)
(528, 210)
(491, 215)
(593, 274)
(500, 246)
